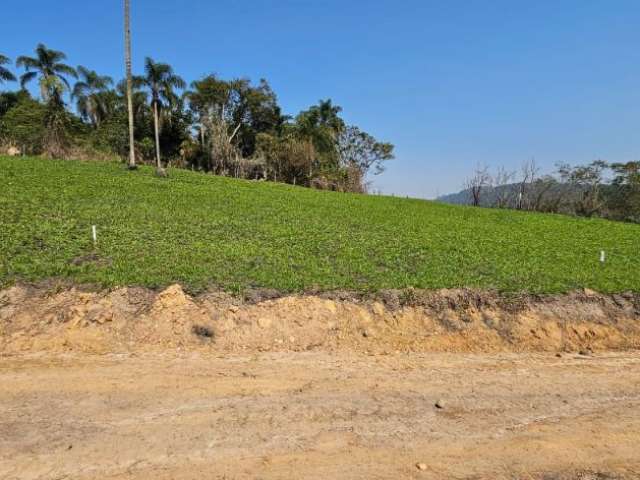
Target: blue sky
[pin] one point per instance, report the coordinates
(450, 83)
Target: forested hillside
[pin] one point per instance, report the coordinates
(228, 127)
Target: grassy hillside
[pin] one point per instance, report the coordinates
(201, 230)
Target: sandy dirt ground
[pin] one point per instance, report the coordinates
(320, 415)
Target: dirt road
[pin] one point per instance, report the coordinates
(320, 415)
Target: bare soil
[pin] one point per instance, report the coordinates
(135, 384)
(135, 319)
(320, 416)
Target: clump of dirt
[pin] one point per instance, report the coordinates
(127, 319)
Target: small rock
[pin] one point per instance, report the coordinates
(98, 314)
(590, 293)
(584, 353)
(13, 151)
(440, 404)
(559, 355)
(620, 301)
(202, 331)
(421, 466)
(330, 306)
(378, 309)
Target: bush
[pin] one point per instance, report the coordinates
(23, 125)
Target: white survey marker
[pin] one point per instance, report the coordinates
(94, 234)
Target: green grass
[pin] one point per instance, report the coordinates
(204, 231)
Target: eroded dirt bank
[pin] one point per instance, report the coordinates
(319, 415)
(134, 319)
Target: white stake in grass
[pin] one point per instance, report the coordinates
(94, 235)
(603, 257)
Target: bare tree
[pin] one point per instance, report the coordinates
(546, 194)
(528, 174)
(502, 187)
(127, 54)
(480, 180)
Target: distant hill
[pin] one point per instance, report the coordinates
(488, 197)
(463, 197)
(202, 230)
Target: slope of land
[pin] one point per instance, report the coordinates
(199, 231)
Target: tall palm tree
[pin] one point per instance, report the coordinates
(161, 82)
(5, 74)
(87, 93)
(127, 57)
(47, 64)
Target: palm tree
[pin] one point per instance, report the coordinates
(161, 82)
(87, 92)
(5, 74)
(47, 64)
(127, 57)
(138, 98)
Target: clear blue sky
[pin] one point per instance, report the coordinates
(450, 83)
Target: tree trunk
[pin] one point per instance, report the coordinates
(159, 168)
(127, 42)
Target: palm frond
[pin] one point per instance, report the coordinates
(79, 89)
(5, 74)
(64, 80)
(29, 63)
(51, 56)
(62, 69)
(84, 72)
(176, 81)
(27, 77)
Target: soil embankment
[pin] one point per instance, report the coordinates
(135, 319)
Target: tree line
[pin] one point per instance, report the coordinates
(226, 127)
(598, 189)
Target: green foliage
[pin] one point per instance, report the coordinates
(92, 103)
(23, 124)
(231, 113)
(360, 150)
(48, 67)
(5, 74)
(201, 230)
(623, 196)
(161, 82)
(322, 125)
(112, 135)
(175, 130)
(8, 100)
(57, 133)
(227, 127)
